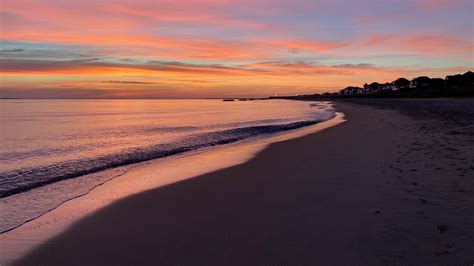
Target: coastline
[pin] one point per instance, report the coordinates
(137, 178)
(381, 188)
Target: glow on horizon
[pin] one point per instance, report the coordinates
(220, 48)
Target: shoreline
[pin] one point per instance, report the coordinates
(163, 171)
(390, 186)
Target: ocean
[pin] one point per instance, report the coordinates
(56, 150)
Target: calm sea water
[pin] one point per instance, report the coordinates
(87, 142)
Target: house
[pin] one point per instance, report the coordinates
(464, 80)
(420, 82)
(351, 91)
(386, 87)
(437, 83)
(400, 84)
(372, 87)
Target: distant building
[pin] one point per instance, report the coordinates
(400, 84)
(372, 88)
(386, 87)
(464, 80)
(420, 82)
(437, 83)
(455, 85)
(351, 91)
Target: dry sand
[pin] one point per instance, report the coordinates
(391, 186)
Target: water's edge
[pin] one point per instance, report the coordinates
(10, 240)
(35, 178)
(261, 131)
(5, 230)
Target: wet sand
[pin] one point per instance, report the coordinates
(392, 185)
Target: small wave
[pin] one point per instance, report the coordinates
(13, 182)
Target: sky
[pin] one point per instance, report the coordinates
(225, 48)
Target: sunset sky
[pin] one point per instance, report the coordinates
(225, 48)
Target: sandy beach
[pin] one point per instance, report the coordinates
(394, 185)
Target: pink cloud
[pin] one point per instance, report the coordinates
(126, 16)
(434, 4)
(421, 43)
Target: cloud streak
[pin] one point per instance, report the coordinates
(237, 46)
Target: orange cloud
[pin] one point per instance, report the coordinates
(142, 80)
(165, 47)
(254, 47)
(296, 45)
(188, 48)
